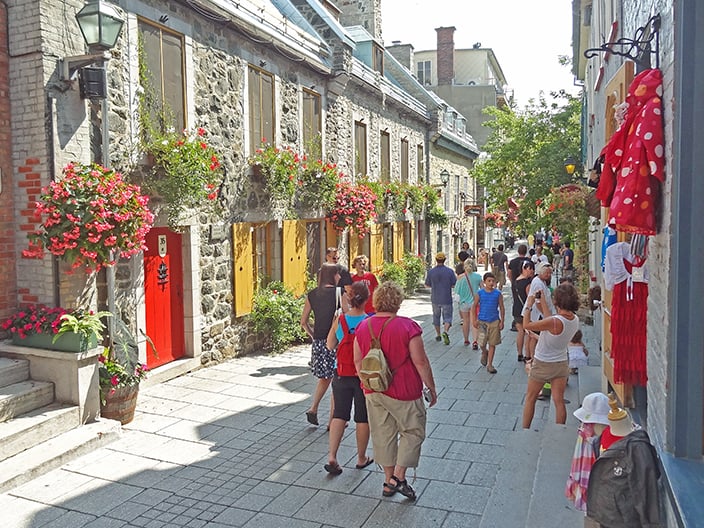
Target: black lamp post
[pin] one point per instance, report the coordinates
(444, 177)
(100, 25)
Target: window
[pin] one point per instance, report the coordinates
(267, 249)
(385, 147)
(162, 53)
(420, 163)
(261, 108)
(424, 68)
(314, 243)
(404, 161)
(388, 241)
(457, 194)
(312, 119)
(360, 148)
(378, 58)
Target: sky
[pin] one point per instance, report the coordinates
(527, 36)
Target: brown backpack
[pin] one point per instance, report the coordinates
(374, 371)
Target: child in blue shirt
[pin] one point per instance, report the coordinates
(490, 320)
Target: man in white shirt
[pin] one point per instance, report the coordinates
(543, 306)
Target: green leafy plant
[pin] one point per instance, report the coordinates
(318, 183)
(417, 198)
(114, 374)
(186, 171)
(415, 271)
(85, 324)
(393, 271)
(437, 216)
(276, 315)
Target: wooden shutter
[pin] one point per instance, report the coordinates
(398, 241)
(244, 269)
(294, 255)
(376, 250)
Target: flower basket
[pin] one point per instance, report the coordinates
(120, 404)
(68, 342)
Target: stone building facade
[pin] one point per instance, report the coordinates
(217, 256)
(670, 405)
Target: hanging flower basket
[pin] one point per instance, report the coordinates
(89, 218)
(354, 208)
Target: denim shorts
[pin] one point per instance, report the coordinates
(444, 310)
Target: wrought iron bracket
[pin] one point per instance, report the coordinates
(645, 42)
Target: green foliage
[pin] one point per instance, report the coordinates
(85, 324)
(415, 271)
(393, 271)
(526, 152)
(437, 216)
(276, 315)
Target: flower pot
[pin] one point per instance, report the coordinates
(68, 342)
(120, 404)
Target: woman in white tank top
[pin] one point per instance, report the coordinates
(550, 362)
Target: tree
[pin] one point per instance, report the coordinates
(525, 156)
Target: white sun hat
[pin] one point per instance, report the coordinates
(595, 409)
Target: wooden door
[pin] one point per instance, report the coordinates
(163, 296)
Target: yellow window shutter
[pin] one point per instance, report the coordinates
(376, 244)
(412, 234)
(398, 241)
(294, 255)
(355, 247)
(244, 268)
(330, 235)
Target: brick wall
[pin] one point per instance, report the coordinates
(8, 284)
(446, 55)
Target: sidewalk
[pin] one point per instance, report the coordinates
(229, 446)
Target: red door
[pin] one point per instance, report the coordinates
(163, 294)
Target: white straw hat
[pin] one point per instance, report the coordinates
(595, 409)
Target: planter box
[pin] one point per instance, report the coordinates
(69, 342)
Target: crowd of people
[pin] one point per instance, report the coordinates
(355, 316)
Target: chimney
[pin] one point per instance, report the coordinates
(402, 53)
(365, 13)
(446, 55)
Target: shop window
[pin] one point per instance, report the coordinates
(260, 90)
(163, 66)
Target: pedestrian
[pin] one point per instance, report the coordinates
(459, 267)
(514, 270)
(397, 416)
(567, 260)
(332, 256)
(490, 320)
(346, 387)
(499, 260)
(441, 279)
(577, 352)
(323, 302)
(539, 288)
(468, 283)
(549, 363)
(360, 264)
(520, 287)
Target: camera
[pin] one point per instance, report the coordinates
(538, 295)
(426, 394)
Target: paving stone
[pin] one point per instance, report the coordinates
(507, 423)
(454, 497)
(395, 514)
(457, 432)
(336, 509)
(230, 517)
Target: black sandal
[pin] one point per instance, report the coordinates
(388, 491)
(403, 488)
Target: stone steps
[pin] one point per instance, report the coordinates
(23, 397)
(55, 452)
(13, 371)
(35, 427)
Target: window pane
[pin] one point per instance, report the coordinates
(261, 108)
(312, 123)
(404, 161)
(420, 162)
(360, 142)
(385, 157)
(172, 50)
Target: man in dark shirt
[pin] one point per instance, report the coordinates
(514, 270)
(568, 261)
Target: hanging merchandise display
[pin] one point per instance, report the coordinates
(627, 276)
(634, 159)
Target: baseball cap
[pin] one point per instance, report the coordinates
(541, 266)
(440, 256)
(595, 409)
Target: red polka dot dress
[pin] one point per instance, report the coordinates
(634, 160)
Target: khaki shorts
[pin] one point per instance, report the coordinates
(489, 333)
(397, 429)
(545, 372)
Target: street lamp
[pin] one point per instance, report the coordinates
(100, 24)
(570, 165)
(444, 177)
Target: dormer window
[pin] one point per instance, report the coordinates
(378, 54)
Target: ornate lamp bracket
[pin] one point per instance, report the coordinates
(645, 42)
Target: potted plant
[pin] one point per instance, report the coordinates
(59, 329)
(280, 168)
(354, 208)
(186, 171)
(119, 385)
(90, 218)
